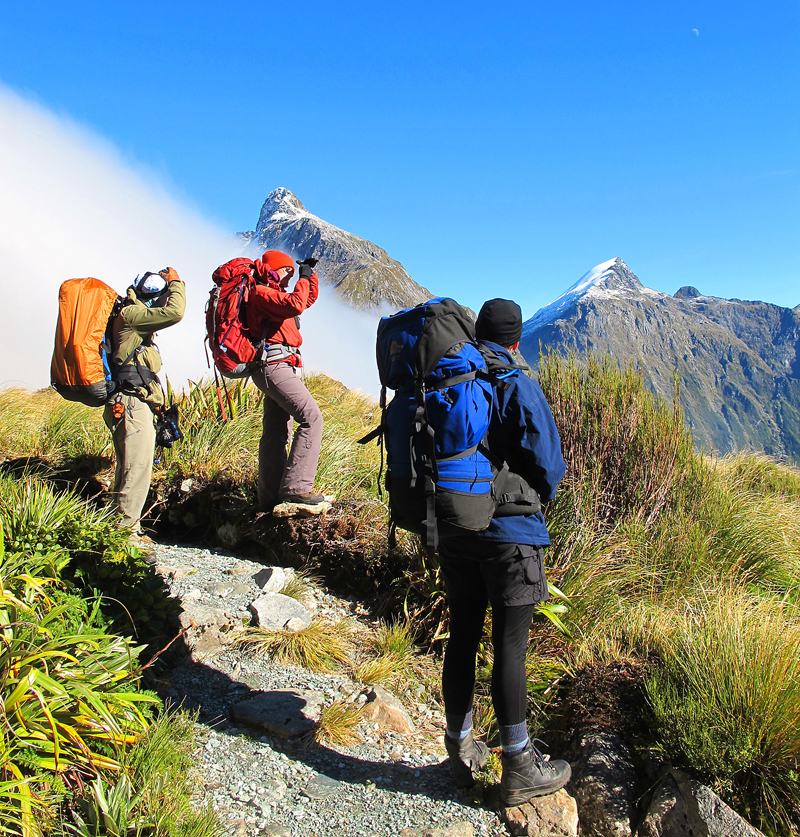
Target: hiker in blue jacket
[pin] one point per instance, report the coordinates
(502, 565)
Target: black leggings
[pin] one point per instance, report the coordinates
(510, 627)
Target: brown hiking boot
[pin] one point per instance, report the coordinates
(528, 774)
(309, 499)
(467, 758)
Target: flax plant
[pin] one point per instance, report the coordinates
(67, 697)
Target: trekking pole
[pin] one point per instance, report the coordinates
(216, 379)
(219, 395)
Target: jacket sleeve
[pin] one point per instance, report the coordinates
(146, 320)
(275, 304)
(536, 455)
(313, 292)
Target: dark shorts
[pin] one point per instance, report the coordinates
(509, 574)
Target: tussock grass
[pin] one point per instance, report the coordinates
(376, 671)
(761, 474)
(300, 586)
(726, 695)
(393, 657)
(323, 646)
(395, 639)
(337, 725)
(42, 424)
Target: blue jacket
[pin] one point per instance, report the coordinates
(523, 433)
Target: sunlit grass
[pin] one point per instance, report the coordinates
(337, 725)
(322, 646)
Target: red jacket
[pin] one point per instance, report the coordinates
(278, 311)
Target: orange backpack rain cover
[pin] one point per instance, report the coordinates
(77, 371)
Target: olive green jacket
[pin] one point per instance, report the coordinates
(137, 324)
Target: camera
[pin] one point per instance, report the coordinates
(167, 430)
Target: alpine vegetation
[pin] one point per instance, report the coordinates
(679, 574)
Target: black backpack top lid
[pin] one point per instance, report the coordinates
(412, 342)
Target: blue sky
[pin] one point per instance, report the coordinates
(494, 149)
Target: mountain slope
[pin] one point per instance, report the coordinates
(738, 362)
(361, 272)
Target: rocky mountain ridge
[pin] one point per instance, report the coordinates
(738, 361)
(362, 273)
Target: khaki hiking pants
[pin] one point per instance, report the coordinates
(286, 398)
(134, 436)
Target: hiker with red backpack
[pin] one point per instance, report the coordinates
(153, 302)
(273, 314)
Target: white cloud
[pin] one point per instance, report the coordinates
(71, 206)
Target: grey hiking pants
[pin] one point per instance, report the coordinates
(134, 436)
(286, 398)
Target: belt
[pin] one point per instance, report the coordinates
(276, 352)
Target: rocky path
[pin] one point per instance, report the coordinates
(266, 781)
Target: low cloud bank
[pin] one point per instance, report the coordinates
(73, 206)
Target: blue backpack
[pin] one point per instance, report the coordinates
(439, 474)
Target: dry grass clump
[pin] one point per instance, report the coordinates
(300, 586)
(337, 725)
(392, 655)
(42, 424)
(322, 646)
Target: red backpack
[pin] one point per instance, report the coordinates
(231, 346)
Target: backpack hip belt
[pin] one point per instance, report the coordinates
(277, 352)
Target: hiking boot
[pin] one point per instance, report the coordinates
(467, 757)
(303, 499)
(527, 774)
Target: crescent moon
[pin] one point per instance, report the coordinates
(696, 31)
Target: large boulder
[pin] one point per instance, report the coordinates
(284, 714)
(604, 785)
(682, 807)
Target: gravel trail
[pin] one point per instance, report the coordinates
(262, 786)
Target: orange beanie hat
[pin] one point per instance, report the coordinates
(276, 260)
(271, 261)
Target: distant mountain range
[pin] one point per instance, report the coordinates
(738, 362)
(360, 272)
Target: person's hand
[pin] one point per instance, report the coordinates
(170, 274)
(307, 268)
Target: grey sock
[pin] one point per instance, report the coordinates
(458, 726)
(514, 738)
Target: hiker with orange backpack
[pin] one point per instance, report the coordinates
(273, 315)
(153, 302)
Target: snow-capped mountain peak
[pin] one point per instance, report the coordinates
(283, 205)
(361, 272)
(606, 280)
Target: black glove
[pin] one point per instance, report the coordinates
(307, 268)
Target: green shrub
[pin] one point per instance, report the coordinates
(94, 555)
(627, 453)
